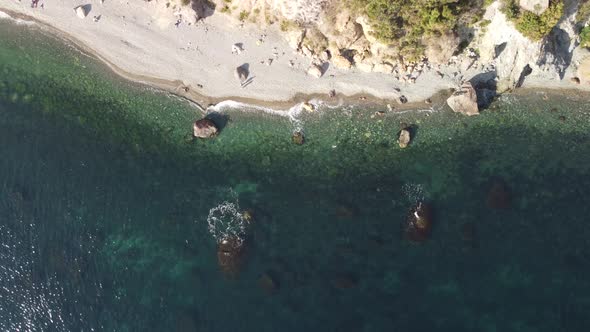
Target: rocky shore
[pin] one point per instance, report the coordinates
(196, 51)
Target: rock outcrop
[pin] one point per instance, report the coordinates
(205, 128)
(339, 61)
(464, 100)
(535, 6)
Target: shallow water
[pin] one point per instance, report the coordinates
(105, 201)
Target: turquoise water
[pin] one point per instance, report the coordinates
(105, 202)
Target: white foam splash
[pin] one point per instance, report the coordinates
(293, 114)
(414, 192)
(226, 223)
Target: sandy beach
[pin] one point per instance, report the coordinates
(196, 60)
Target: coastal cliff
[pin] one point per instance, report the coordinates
(295, 50)
(513, 39)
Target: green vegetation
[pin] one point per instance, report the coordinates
(406, 23)
(583, 12)
(185, 2)
(585, 37)
(530, 24)
(287, 25)
(243, 15)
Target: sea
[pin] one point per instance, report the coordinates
(114, 218)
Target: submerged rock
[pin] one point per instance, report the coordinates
(419, 222)
(205, 128)
(346, 211)
(345, 281)
(404, 138)
(298, 138)
(268, 283)
(230, 254)
(464, 100)
(498, 195)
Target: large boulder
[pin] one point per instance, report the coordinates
(464, 100)
(295, 37)
(82, 11)
(367, 30)
(441, 48)
(404, 138)
(298, 137)
(242, 73)
(205, 128)
(315, 70)
(535, 6)
(340, 61)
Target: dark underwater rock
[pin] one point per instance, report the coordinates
(268, 282)
(499, 195)
(345, 281)
(418, 225)
(230, 254)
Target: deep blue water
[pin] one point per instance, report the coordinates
(105, 202)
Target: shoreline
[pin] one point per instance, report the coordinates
(203, 100)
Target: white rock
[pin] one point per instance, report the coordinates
(341, 62)
(535, 6)
(237, 48)
(315, 71)
(364, 66)
(81, 11)
(383, 67)
(464, 100)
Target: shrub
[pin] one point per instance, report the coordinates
(535, 26)
(585, 37)
(406, 23)
(243, 15)
(530, 24)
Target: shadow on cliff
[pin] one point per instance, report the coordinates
(485, 88)
(556, 51)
